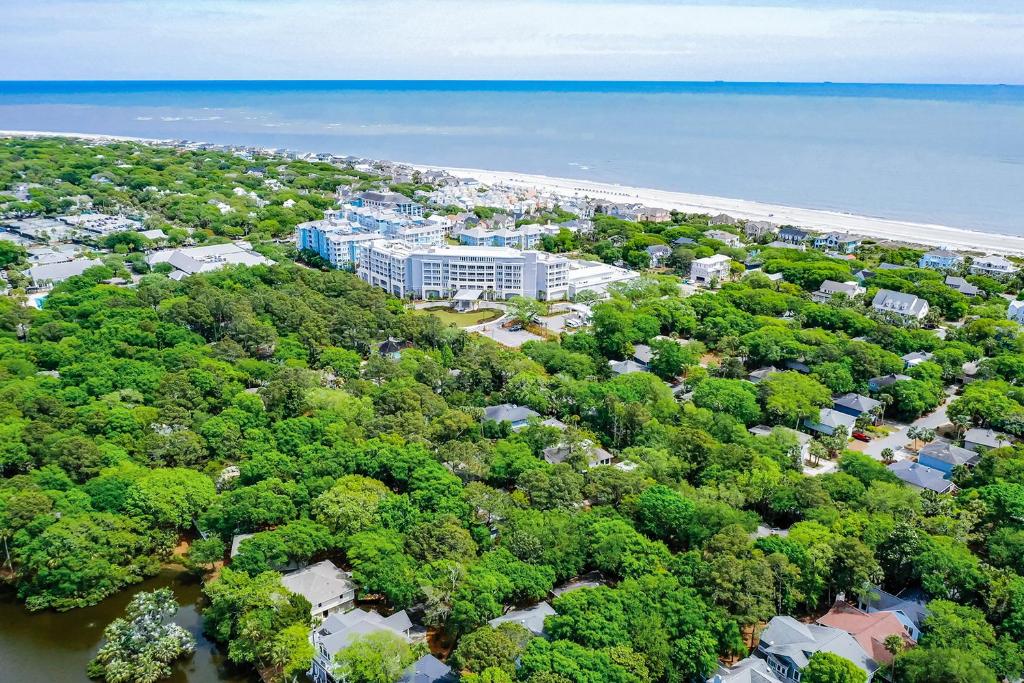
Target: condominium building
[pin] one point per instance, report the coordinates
(389, 201)
(496, 272)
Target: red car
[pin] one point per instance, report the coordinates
(861, 436)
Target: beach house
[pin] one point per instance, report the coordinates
(902, 304)
(710, 269)
(940, 259)
(726, 238)
(830, 288)
(993, 266)
(755, 230)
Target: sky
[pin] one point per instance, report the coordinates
(904, 41)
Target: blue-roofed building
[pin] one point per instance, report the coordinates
(944, 456)
(940, 259)
(921, 476)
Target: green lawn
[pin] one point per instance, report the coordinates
(466, 319)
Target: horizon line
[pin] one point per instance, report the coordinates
(596, 81)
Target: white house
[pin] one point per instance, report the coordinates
(327, 588)
(338, 631)
(900, 303)
(829, 288)
(712, 268)
(727, 238)
(995, 266)
(1015, 311)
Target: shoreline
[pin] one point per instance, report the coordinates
(821, 220)
(883, 229)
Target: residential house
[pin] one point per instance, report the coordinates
(727, 238)
(392, 348)
(787, 646)
(837, 242)
(338, 630)
(876, 384)
(779, 244)
(891, 266)
(683, 242)
(624, 367)
(1015, 311)
(940, 259)
(723, 219)
(531, 619)
(829, 420)
(944, 456)
(870, 630)
(428, 669)
(921, 476)
(642, 353)
(595, 455)
(755, 230)
(961, 285)
(803, 440)
(993, 266)
(791, 235)
(747, 670)
(517, 416)
(327, 588)
(900, 303)
(977, 439)
(916, 358)
(855, 405)
(910, 607)
(711, 269)
(658, 254)
(756, 376)
(863, 275)
(830, 288)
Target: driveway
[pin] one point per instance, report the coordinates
(506, 337)
(898, 438)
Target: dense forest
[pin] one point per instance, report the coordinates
(120, 408)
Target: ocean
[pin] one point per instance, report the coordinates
(945, 154)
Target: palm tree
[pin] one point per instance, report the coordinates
(915, 434)
(888, 456)
(926, 434)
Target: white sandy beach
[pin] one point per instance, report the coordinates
(814, 219)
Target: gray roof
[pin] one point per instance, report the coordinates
(319, 583)
(857, 402)
(888, 380)
(946, 452)
(679, 241)
(961, 285)
(898, 302)
(833, 287)
(921, 476)
(427, 669)
(789, 638)
(749, 670)
(759, 374)
(913, 603)
(507, 412)
(532, 619)
(942, 253)
(834, 419)
(916, 356)
(642, 353)
(623, 367)
(658, 249)
(58, 272)
(986, 437)
(339, 629)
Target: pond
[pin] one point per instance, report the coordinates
(45, 647)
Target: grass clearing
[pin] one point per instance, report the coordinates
(463, 318)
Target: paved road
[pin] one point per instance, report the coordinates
(898, 438)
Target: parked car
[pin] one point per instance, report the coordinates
(861, 436)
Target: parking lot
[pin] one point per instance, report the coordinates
(507, 337)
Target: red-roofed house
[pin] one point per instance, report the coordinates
(869, 630)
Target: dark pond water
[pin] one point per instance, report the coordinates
(55, 647)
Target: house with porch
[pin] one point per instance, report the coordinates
(940, 259)
(328, 588)
(339, 630)
(787, 646)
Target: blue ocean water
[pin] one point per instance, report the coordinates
(945, 154)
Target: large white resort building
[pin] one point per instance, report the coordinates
(491, 273)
